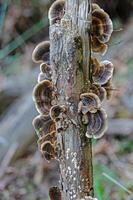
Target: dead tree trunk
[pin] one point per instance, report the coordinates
(69, 55)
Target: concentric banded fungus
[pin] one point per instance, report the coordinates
(42, 96)
(58, 115)
(102, 26)
(56, 112)
(56, 11)
(96, 124)
(98, 47)
(50, 137)
(103, 73)
(43, 125)
(55, 193)
(41, 52)
(99, 91)
(90, 102)
(47, 149)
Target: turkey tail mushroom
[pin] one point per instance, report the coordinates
(102, 26)
(43, 125)
(47, 149)
(103, 73)
(97, 46)
(43, 94)
(41, 52)
(90, 102)
(96, 123)
(99, 91)
(56, 11)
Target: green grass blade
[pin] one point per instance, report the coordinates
(26, 35)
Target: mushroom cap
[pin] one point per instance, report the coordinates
(90, 102)
(96, 124)
(43, 125)
(47, 149)
(55, 112)
(102, 26)
(41, 52)
(55, 193)
(103, 73)
(99, 91)
(50, 137)
(43, 94)
(44, 67)
(56, 11)
(97, 46)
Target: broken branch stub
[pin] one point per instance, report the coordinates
(70, 91)
(74, 150)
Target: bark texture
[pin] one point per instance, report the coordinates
(69, 55)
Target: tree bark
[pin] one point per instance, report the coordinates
(69, 55)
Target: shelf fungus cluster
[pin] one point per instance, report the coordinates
(52, 117)
(100, 87)
(44, 98)
(101, 29)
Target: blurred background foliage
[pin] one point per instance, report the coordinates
(24, 174)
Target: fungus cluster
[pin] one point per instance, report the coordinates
(43, 95)
(94, 116)
(52, 117)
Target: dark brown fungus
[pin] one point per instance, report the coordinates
(97, 46)
(47, 148)
(43, 94)
(102, 26)
(41, 52)
(90, 102)
(56, 11)
(43, 125)
(96, 124)
(56, 112)
(55, 193)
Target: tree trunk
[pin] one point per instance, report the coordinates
(69, 43)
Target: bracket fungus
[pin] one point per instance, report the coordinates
(43, 94)
(47, 149)
(58, 115)
(102, 72)
(90, 102)
(43, 125)
(41, 52)
(101, 29)
(84, 102)
(99, 91)
(96, 124)
(56, 11)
